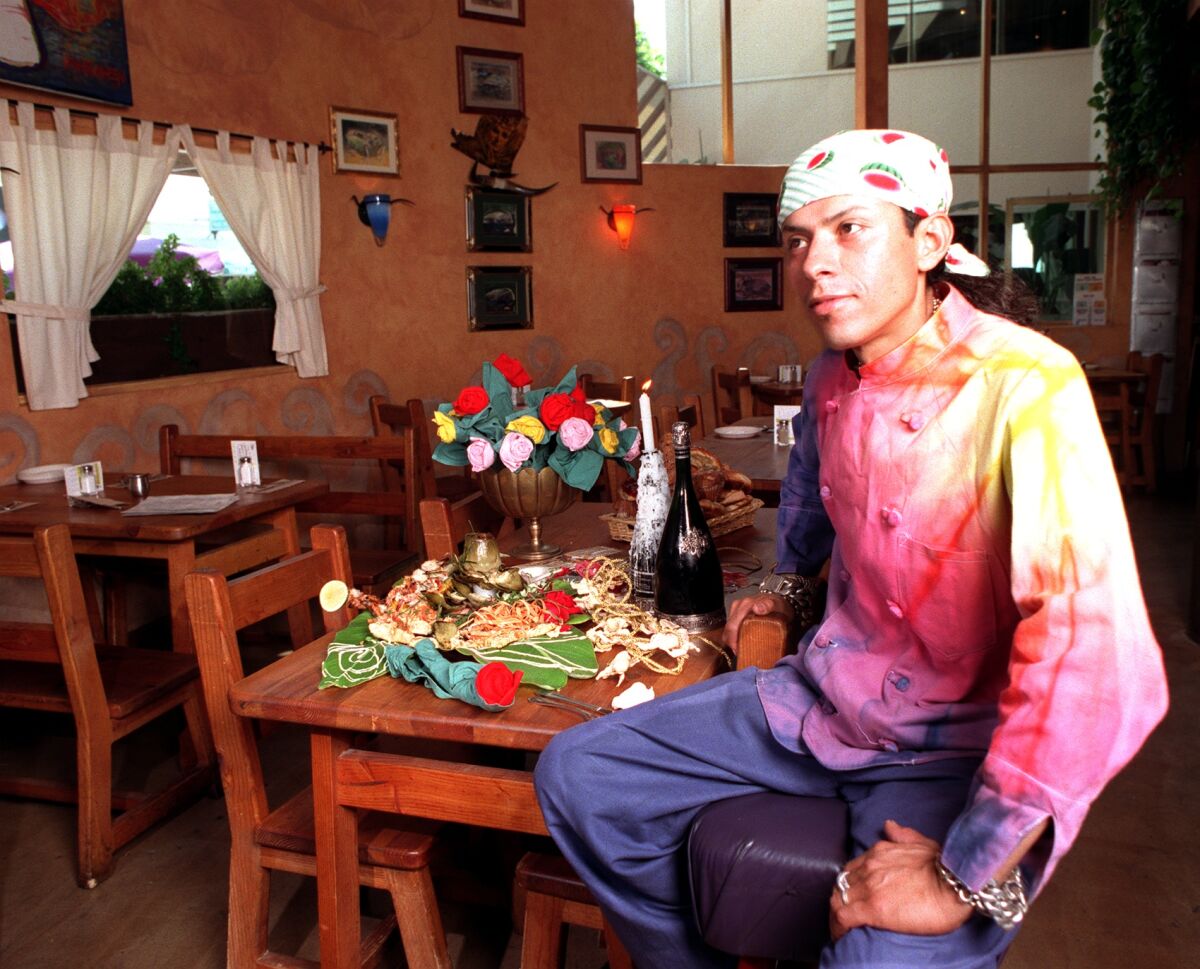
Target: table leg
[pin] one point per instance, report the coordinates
(299, 618)
(336, 831)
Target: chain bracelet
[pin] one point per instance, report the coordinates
(1004, 903)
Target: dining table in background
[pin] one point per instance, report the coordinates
(172, 539)
(768, 393)
(287, 691)
(758, 457)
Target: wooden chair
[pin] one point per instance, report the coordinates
(594, 389)
(691, 413)
(732, 397)
(374, 569)
(110, 691)
(392, 856)
(1115, 412)
(1142, 467)
(447, 523)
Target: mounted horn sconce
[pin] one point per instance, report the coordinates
(621, 219)
(375, 212)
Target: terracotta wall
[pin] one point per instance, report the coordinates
(395, 316)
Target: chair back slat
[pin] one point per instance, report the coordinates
(593, 389)
(18, 558)
(732, 396)
(447, 523)
(691, 412)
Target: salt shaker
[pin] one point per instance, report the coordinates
(87, 480)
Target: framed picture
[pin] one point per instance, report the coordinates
(490, 81)
(77, 49)
(499, 297)
(751, 219)
(610, 154)
(364, 141)
(498, 220)
(753, 284)
(505, 11)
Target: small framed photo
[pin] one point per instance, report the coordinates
(751, 219)
(498, 220)
(490, 81)
(364, 141)
(610, 154)
(505, 11)
(753, 284)
(499, 297)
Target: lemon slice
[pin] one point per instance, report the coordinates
(333, 595)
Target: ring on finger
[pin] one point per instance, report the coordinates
(843, 885)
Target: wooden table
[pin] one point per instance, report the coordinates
(759, 457)
(768, 393)
(169, 538)
(287, 691)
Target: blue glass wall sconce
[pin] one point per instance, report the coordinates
(375, 212)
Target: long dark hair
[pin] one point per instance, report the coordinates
(999, 293)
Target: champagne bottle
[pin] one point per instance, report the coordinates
(653, 503)
(688, 588)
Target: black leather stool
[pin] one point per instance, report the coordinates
(762, 868)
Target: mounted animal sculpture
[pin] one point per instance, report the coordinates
(495, 143)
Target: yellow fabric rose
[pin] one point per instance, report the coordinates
(598, 420)
(530, 426)
(609, 439)
(446, 431)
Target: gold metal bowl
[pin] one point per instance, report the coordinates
(532, 495)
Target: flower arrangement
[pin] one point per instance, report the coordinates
(551, 427)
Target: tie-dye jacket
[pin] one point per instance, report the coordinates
(983, 594)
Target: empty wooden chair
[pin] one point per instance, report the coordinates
(732, 397)
(393, 854)
(446, 523)
(110, 691)
(593, 389)
(691, 412)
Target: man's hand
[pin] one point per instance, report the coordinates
(758, 605)
(895, 886)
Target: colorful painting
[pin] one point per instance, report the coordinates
(73, 47)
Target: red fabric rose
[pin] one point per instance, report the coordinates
(585, 412)
(513, 372)
(496, 684)
(559, 606)
(555, 409)
(471, 400)
(578, 394)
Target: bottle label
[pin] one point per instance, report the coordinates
(694, 542)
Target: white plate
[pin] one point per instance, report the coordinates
(738, 431)
(757, 379)
(43, 473)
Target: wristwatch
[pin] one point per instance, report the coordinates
(801, 591)
(1004, 903)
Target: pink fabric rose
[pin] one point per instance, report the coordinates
(635, 449)
(480, 453)
(575, 433)
(515, 450)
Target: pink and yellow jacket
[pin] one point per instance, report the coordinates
(983, 594)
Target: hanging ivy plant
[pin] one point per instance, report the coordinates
(1143, 98)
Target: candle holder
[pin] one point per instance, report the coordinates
(653, 503)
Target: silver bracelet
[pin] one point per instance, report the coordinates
(802, 592)
(1004, 903)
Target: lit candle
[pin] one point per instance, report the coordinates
(647, 422)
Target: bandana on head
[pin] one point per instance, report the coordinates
(895, 166)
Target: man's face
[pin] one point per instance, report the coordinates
(856, 269)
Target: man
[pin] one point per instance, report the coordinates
(985, 663)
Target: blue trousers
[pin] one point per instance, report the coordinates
(619, 794)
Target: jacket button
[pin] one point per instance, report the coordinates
(894, 609)
(889, 745)
(821, 641)
(826, 491)
(915, 421)
(831, 406)
(844, 575)
(827, 708)
(891, 516)
(898, 680)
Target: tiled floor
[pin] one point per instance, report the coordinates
(1127, 896)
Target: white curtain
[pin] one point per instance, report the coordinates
(74, 212)
(272, 205)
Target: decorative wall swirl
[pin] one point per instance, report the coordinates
(671, 338)
(360, 388)
(145, 428)
(306, 411)
(26, 456)
(711, 345)
(109, 444)
(544, 360)
(216, 421)
(597, 368)
(767, 351)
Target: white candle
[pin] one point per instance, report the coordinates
(647, 422)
